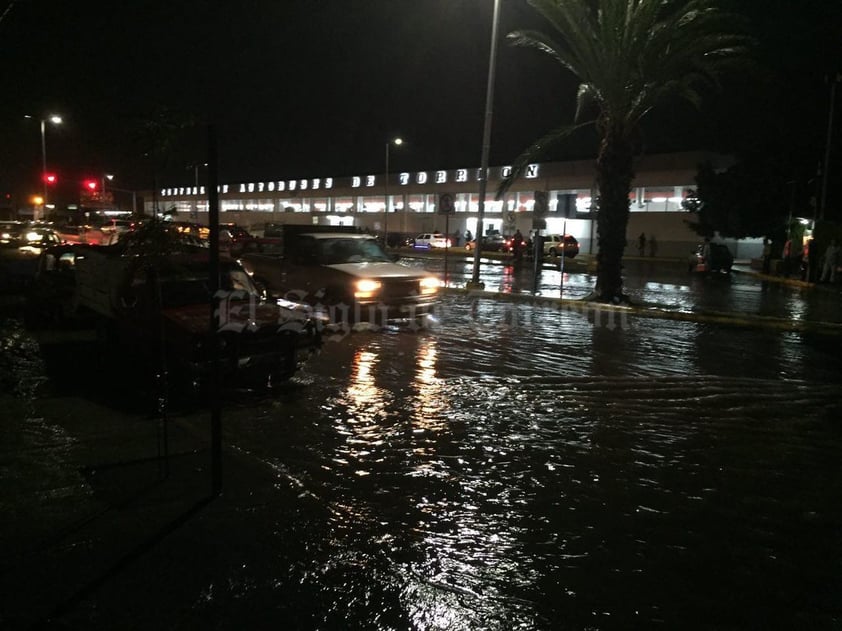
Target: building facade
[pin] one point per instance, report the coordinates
(556, 197)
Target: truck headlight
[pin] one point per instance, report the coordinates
(366, 288)
(429, 285)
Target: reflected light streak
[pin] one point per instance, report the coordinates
(432, 402)
(365, 397)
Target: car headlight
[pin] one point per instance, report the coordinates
(33, 236)
(429, 285)
(366, 288)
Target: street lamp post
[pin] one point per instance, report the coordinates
(194, 214)
(486, 146)
(134, 198)
(55, 120)
(397, 142)
(826, 165)
(110, 178)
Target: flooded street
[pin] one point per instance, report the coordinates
(516, 466)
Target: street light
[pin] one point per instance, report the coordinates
(110, 177)
(486, 146)
(397, 142)
(55, 120)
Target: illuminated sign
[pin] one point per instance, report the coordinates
(405, 178)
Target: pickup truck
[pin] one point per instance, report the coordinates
(156, 310)
(344, 274)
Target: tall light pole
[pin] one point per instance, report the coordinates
(110, 178)
(826, 165)
(486, 146)
(397, 142)
(55, 120)
(194, 214)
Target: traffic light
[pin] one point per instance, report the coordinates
(50, 178)
(91, 186)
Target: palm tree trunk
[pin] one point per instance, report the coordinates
(614, 175)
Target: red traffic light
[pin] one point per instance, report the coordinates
(91, 185)
(50, 178)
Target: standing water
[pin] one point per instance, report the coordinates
(523, 467)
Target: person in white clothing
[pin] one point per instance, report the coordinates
(830, 262)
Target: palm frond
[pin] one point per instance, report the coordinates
(535, 152)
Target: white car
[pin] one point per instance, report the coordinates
(113, 229)
(555, 244)
(432, 240)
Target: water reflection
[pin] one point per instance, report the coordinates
(364, 396)
(524, 467)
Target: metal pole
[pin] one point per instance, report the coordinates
(213, 273)
(826, 166)
(196, 194)
(446, 244)
(386, 200)
(561, 264)
(44, 162)
(486, 145)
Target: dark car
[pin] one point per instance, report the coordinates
(719, 259)
(233, 238)
(51, 298)
(19, 254)
(490, 243)
(11, 232)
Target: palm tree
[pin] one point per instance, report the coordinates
(629, 55)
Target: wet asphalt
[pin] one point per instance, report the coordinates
(523, 463)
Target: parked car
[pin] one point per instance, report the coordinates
(719, 259)
(11, 232)
(233, 238)
(556, 244)
(346, 273)
(113, 229)
(19, 254)
(51, 297)
(490, 243)
(430, 240)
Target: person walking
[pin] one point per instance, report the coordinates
(641, 244)
(787, 257)
(517, 245)
(767, 255)
(830, 261)
(808, 261)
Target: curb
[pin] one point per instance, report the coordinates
(590, 308)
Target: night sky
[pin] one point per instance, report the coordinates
(298, 88)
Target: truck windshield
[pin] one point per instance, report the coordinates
(342, 250)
